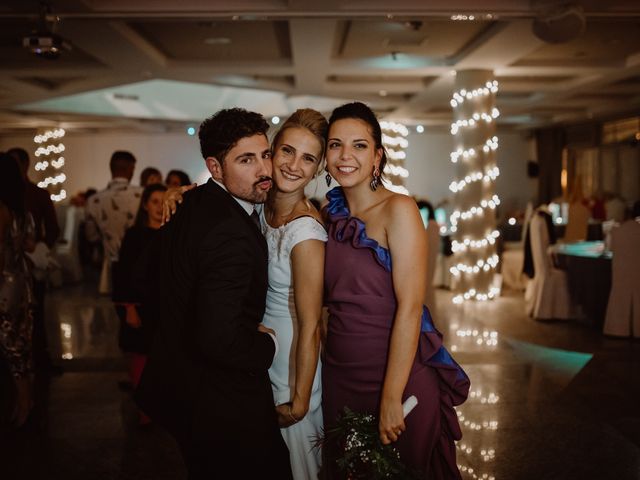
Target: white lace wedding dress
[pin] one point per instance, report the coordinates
(280, 316)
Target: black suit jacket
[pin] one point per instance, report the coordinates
(206, 378)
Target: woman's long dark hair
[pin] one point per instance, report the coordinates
(142, 217)
(12, 185)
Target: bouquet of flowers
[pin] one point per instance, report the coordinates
(361, 453)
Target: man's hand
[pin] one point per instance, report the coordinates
(263, 329)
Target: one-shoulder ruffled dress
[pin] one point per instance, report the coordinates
(362, 304)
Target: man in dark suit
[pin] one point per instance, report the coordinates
(206, 378)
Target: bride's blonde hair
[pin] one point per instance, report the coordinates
(310, 120)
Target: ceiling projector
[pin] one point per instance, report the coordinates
(46, 45)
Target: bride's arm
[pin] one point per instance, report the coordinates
(408, 245)
(307, 272)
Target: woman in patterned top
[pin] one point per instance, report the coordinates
(16, 300)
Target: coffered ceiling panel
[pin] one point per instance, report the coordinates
(218, 40)
(437, 39)
(603, 41)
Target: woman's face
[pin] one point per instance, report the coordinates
(296, 159)
(153, 179)
(351, 152)
(173, 181)
(154, 207)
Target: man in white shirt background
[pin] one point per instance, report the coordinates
(111, 211)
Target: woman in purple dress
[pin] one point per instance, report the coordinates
(381, 345)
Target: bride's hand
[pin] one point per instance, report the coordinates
(171, 199)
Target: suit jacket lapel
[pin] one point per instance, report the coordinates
(215, 189)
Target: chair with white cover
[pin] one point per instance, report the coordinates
(547, 294)
(66, 250)
(623, 309)
(577, 223)
(512, 261)
(614, 209)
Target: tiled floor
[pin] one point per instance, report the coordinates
(549, 400)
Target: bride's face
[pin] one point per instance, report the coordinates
(296, 159)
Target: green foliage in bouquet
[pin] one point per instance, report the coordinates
(361, 452)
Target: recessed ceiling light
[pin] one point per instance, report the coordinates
(217, 41)
(419, 129)
(275, 120)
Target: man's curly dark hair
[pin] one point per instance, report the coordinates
(219, 133)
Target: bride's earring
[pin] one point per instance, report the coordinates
(375, 181)
(328, 178)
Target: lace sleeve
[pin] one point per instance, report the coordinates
(304, 228)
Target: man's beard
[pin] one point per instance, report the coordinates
(253, 195)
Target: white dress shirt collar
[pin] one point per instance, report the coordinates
(247, 206)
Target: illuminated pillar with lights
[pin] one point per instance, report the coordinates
(49, 155)
(395, 143)
(473, 222)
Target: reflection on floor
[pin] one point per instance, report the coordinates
(548, 400)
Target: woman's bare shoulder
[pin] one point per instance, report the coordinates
(306, 209)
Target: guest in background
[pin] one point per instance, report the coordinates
(150, 176)
(38, 203)
(110, 212)
(16, 296)
(90, 252)
(177, 178)
(132, 285)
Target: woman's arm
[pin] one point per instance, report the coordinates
(307, 270)
(408, 245)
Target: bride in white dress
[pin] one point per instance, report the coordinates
(295, 237)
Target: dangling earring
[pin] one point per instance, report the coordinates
(375, 181)
(327, 178)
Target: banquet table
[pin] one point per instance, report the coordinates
(513, 233)
(588, 267)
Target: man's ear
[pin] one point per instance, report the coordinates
(214, 167)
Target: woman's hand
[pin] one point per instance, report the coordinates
(289, 414)
(171, 199)
(391, 423)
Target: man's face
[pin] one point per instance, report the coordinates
(246, 169)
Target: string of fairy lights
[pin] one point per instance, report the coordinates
(473, 220)
(395, 143)
(50, 161)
